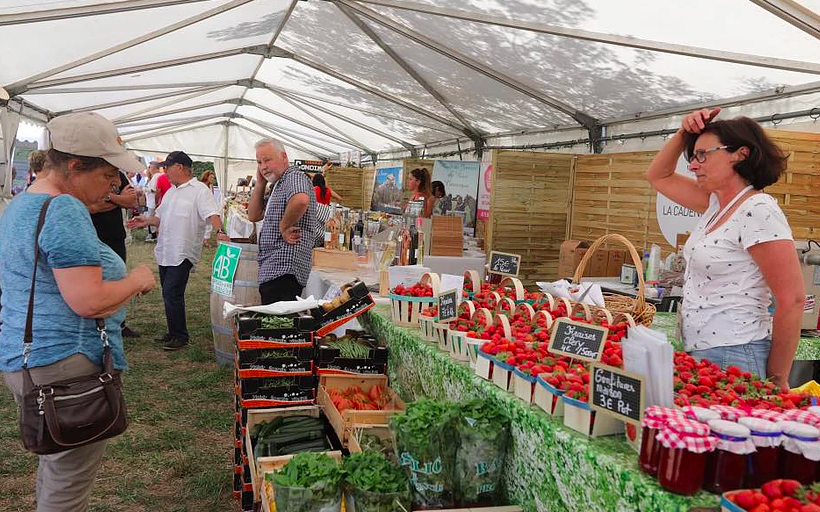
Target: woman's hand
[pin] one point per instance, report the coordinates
(697, 120)
(144, 278)
(137, 222)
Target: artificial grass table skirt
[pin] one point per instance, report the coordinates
(549, 467)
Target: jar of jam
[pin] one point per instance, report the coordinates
(767, 414)
(700, 414)
(799, 452)
(654, 419)
(807, 417)
(766, 437)
(726, 466)
(685, 445)
(727, 412)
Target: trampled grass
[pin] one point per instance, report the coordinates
(177, 453)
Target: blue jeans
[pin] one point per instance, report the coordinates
(174, 280)
(749, 357)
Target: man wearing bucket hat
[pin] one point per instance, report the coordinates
(79, 279)
(186, 207)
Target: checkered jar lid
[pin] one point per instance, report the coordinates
(767, 414)
(657, 417)
(690, 435)
(700, 414)
(728, 413)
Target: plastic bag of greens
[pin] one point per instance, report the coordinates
(426, 448)
(309, 482)
(374, 484)
(483, 431)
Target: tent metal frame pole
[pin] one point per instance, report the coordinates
(290, 133)
(191, 154)
(323, 122)
(346, 119)
(582, 118)
(22, 84)
(629, 42)
(275, 135)
(226, 124)
(173, 101)
(793, 13)
(302, 123)
(186, 127)
(87, 10)
(134, 69)
(181, 110)
(378, 92)
(118, 88)
(160, 125)
(414, 74)
(298, 94)
(133, 101)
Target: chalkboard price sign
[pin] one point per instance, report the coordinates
(578, 340)
(448, 306)
(617, 392)
(505, 264)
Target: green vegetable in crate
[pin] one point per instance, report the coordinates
(483, 431)
(349, 348)
(375, 484)
(426, 448)
(288, 435)
(276, 322)
(309, 482)
(374, 443)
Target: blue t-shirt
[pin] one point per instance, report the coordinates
(68, 239)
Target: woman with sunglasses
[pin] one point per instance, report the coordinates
(741, 253)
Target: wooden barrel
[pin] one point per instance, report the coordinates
(245, 293)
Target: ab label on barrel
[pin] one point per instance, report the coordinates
(448, 305)
(617, 392)
(577, 340)
(224, 269)
(505, 264)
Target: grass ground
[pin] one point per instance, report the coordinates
(176, 454)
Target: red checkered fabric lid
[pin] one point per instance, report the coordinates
(701, 414)
(657, 417)
(727, 412)
(690, 435)
(767, 414)
(802, 416)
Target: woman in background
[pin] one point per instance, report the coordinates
(419, 184)
(323, 192)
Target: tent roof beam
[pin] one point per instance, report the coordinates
(794, 13)
(153, 108)
(117, 88)
(157, 115)
(22, 84)
(159, 124)
(386, 48)
(312, 137)
(184, 127)
(86, 10)
(264, 135)
(581, 117)
(133, 101)
(629, 42)
(287, 135)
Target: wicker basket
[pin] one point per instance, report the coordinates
(407, 310)
(642, 311)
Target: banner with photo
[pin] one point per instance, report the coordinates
(387, 190)
(485, 187)
(460, 179)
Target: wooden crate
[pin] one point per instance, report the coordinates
(343, 421)
(529, 209)
(266, 491)
(381, 431)
(353, 184)
(447, 236)
(331, 258)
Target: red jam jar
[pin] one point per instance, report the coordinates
(799, 452)
(727, 412)
(654, 419)
(766, 437)
(685, 445)
(700, 414)
(767, 414)
(726, 466)
(807, 417)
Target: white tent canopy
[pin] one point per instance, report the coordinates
(393, 78)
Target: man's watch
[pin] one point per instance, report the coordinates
(108, 198)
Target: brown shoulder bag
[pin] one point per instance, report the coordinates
(68, 414)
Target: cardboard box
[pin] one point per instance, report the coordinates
(335, 318)
(597, 265)
(614, 262)
(330, 258)
(570, 255)
(330, 362)
(255, 393)
(278, 362)
(343, 421)
(250, 334)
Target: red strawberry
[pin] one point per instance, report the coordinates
(763, 507)
(772, 489)
(811, 507)
(789, 487)
(745, 499)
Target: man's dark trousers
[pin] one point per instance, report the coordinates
(174, 280)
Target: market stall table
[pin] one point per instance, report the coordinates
(549, 467)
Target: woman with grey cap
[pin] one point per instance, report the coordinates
(79, 279)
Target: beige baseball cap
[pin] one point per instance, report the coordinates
(90, 134)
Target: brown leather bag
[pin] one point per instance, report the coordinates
(72, 413)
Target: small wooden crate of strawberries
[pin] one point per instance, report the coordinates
(776, 495)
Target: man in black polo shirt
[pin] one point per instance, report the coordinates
(107, 219)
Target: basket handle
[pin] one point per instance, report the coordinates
(614, 237)
(526, 311)
(483, 312)
(433, 280)
(516, 284)
(470, 305)
(547, 319)
(499, 308)
(471, 276)
(504, 323)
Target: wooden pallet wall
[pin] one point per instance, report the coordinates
(529, 209)
(353, 184)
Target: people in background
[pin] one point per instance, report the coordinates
(79, 279)
(36, 162)
(741, 252)
(419, 184)
(180, 219)
(163, 184)
(209, 179)
(323, 192)
(289, 225)
(153, 173)
(440, 203)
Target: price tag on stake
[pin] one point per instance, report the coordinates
(448, 306)
(577, 340)
(617, 392)
(505, 264)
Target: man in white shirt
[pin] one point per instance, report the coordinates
(181, 219)
(154, 173)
